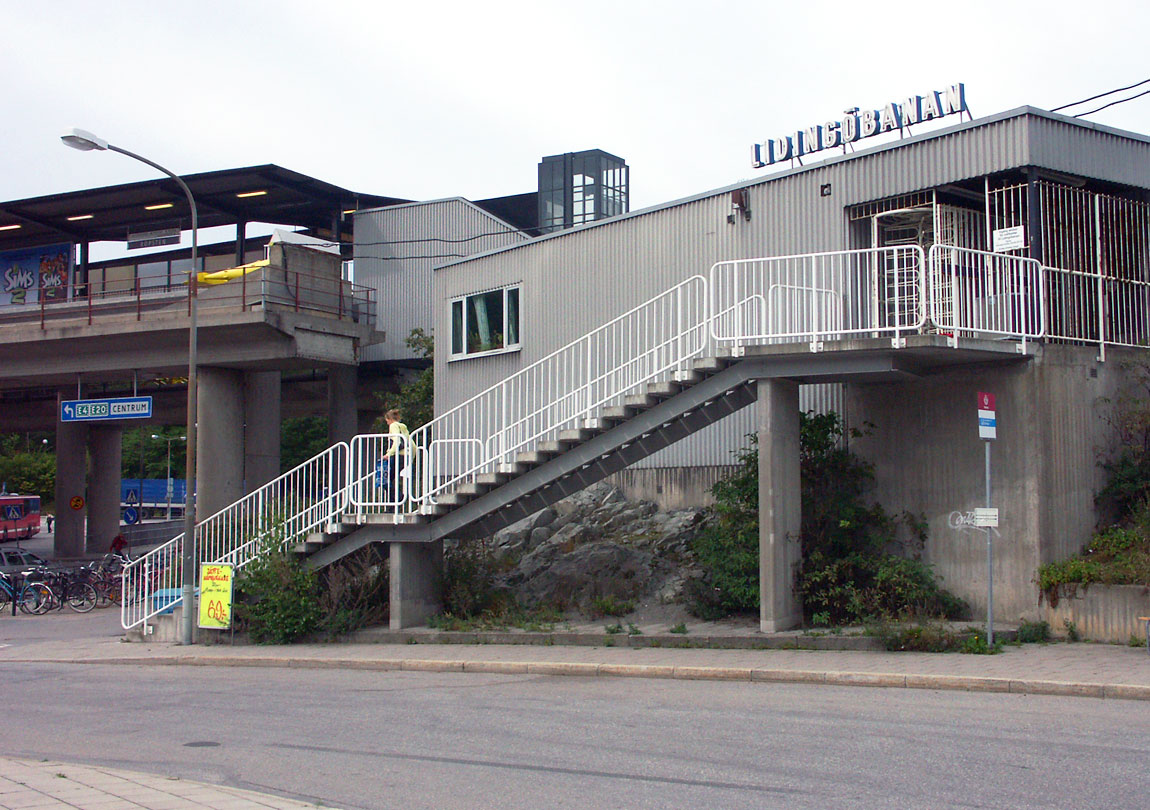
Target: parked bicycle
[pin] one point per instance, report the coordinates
(107, 578)
(32, 597)
(67, 588)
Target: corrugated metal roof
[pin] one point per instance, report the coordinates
(1004, 144)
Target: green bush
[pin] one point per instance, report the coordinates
(469, 570)
(928, 637)
(1033, 632)
(847, 576)
(976, 644)
(278, 599)
(353, 593)
(1118, 555)
(610, 606)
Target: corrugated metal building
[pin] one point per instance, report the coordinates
(948, 186)
(396, 250)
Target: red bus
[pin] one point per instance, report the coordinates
(19, 516)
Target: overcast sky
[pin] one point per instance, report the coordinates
(427, 100)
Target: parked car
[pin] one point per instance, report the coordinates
(17, 560)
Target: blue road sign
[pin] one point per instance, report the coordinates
(100, 410)
(13, 512)
(131, 515)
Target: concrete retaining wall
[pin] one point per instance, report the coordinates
(1102, 612)
(671, 487)
(929, 460)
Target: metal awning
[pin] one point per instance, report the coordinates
(266, 193)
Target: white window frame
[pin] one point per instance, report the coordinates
(463, 301)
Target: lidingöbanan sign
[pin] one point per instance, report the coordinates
(860, 124)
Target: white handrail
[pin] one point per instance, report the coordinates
(556, 392)
(819, 296)
(976, 292)
(291, 505)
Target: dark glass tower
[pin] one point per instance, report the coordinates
(579, 187)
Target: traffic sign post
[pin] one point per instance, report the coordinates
(988, 432)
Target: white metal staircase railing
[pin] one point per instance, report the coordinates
(813, 297)
(648, 343)
(819, 296)
(987, 294)
(289, 506)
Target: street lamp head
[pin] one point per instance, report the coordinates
(155, 436)
(84, 141)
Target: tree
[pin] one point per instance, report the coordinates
(416, 398)
(300, 439)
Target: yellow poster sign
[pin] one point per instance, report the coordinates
(216, 596)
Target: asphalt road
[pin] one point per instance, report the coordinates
(359, 739)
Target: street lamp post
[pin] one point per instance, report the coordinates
(86, 142)
(169, 440)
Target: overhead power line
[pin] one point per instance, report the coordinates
(1112, 103)
(1101, 95)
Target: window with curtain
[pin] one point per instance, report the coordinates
(485, 322)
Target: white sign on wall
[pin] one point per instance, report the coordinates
(1005, 239)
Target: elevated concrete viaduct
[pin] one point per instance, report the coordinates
(247, 342)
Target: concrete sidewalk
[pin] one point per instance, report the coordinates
(1083, 669)
(25, 785)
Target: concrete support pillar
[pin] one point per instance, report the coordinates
(780, 505)
(342, 417)
(367, 420)
(241, 241)
(416, 587)
(220, 440)
(71, 482)
(105, 443)
(261, 428)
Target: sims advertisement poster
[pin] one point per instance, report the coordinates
(26, 275)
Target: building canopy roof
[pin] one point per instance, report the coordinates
(266, 193)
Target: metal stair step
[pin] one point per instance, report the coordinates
(688, 376)
(390, 518)
(532, 458)
(617, 413)
(472, 488)
(663, 390)
(710, 365)
(452, 499)
(553, 448)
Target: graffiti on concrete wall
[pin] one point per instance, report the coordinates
(964, 523)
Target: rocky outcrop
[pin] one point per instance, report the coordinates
(596, 547)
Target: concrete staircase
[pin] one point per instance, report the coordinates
(660, 414)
